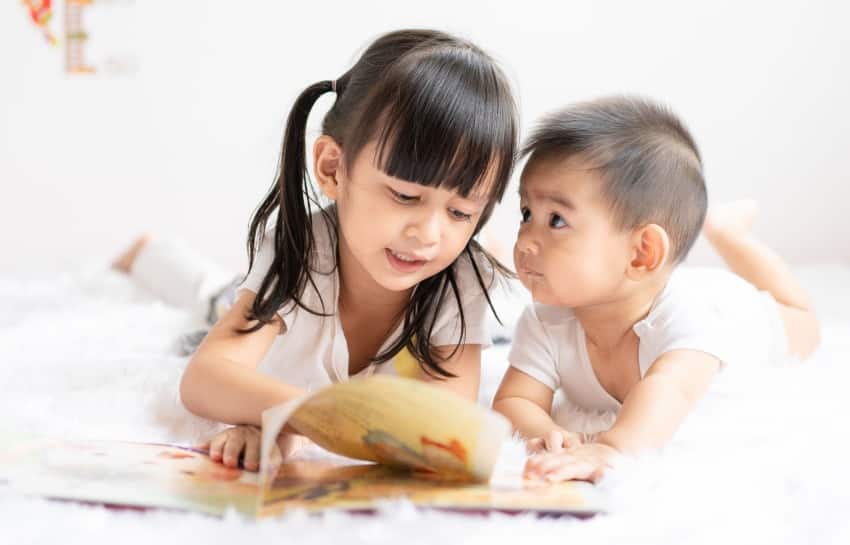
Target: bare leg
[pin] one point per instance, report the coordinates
(124, 262)
(727, 228)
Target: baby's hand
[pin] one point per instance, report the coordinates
(584, 463)
(240, 445)
(554, 441)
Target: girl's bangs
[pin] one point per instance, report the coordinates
(444, 126)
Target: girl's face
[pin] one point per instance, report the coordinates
(399, 232)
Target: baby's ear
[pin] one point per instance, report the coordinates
(651, 250)
(327, 165)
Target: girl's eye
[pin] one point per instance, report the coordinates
(458, 215)
(557, 222)
(402, 198)
(526, 214)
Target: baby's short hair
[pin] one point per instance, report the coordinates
(648, 159)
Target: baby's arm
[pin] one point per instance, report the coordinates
(650, 414)
(221, 381)
(527, 403)
(657, 405)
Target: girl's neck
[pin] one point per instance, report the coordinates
(607, 325)
(359, 293)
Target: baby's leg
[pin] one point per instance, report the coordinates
(124, 262)
(727, 228)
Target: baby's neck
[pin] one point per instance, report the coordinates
(608, 325)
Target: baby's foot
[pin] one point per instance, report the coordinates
(125, 261)
(730, 219)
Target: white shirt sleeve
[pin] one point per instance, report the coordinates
(686, 320)
(532, 352)
(262, 262)
(476, 309)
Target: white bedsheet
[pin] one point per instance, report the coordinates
(762, 460)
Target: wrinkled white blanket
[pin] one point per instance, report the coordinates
(762, 460)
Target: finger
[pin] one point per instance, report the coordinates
(203, 446)
(251, 461)
(579, 471)
(538, 465)
(535, 445)
(232, 450)
(216, 446)
(286, 444)
(275, 457)
(530, 472)
(572, 441)
(533, 462)
(553, 463)
(554, 441)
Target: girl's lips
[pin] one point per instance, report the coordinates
(402, 265)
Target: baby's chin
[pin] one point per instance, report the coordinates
(545, 297)
(540, 294)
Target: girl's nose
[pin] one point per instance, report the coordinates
(426, 229)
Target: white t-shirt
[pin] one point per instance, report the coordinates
(709, 310)
(313, 352)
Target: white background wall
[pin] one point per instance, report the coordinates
(188, 144)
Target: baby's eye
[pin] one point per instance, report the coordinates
(402, 198)
(526, 214)
(458, 215)
(557, 222)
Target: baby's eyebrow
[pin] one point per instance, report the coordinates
(556, 198)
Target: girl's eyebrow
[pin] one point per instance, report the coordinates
(476, 198)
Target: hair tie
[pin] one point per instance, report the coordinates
(333, 85)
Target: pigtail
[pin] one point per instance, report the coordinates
(293, 197)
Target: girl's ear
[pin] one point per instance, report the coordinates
(327, 165)
(651, 248)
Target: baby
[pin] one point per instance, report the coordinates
(612, 199)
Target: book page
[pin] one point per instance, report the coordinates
(397, 422)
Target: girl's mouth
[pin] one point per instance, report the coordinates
(404, 263)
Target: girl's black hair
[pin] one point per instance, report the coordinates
(443, 115)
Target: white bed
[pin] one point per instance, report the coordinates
(763, 460)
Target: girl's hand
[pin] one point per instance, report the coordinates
(554, 441)
(240, 446)
(587, 462)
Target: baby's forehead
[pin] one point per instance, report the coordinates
(572, 177)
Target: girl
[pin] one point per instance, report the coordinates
(414, 154)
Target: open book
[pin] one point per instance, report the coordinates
(397, 422)
(432, 448)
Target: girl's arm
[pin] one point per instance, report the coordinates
(466, 364)
(221, 381)
(657, 405)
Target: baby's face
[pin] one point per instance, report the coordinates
(568, 251)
